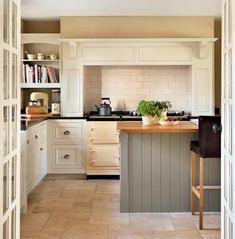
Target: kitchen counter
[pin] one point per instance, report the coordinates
(155, 168)
(28, 122)
(138, 127)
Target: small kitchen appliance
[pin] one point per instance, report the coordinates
(42, 97)
(55, 103)
(104, 109)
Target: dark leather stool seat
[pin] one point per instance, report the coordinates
(208, 146)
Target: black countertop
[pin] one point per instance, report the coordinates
(28, 122)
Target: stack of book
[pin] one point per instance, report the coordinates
(39, 74)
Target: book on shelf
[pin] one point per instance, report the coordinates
(39, 74)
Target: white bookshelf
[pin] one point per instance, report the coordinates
(40, 85)
(45, 44)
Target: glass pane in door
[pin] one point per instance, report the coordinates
(13, 178)
(14, 127)
(6, 229)
(5, 130)
(14, 76)
(6, 21)
(5, 74)
(13, 224)
(5, 187)
(14, 25)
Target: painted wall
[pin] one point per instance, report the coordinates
(40, 26)
(95, 27)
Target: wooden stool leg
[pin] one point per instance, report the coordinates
(193, 180)
(201, 191)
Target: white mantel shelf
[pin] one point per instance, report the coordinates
(138, 40)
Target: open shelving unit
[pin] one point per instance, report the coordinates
(33, 44)
(45, 44)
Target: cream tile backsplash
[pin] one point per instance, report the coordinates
(127, 85)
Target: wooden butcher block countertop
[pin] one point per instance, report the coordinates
(137, 127)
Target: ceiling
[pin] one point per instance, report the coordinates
(53, 9)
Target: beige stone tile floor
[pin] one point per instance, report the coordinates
(80, 209)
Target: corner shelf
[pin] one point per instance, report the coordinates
(39, 85)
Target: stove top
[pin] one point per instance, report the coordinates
(131, 115)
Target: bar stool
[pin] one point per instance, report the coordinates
(208, 146)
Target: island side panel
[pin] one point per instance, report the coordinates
(158, 174)
(214, 179)
(124, 180)
(147, 172)
(136, 175)
(185, 181)
(166, 171)
(175, 167)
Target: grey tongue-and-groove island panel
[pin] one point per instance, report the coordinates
(155, 173)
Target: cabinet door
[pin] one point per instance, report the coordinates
(104, 156)
(67, 157)
(103, 133)
(35, 166)
(43, 159)
(72, 92)
(63, 132)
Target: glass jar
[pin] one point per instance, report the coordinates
(55, 96)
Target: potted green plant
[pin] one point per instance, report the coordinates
(149, 111)
(163, 106)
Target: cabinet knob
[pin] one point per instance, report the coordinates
(36, 137)
(41, 148)
(67, 156)
(67, 132)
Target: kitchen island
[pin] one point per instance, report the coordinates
(155, 168)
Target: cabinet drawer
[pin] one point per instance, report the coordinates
(104, 156)
(103, 133)
(62, 132)
(67, 156)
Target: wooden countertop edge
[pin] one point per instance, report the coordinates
(158, 130)
(137, 127)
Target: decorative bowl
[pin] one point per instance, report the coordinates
(31, 56)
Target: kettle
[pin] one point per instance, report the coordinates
(105, 108)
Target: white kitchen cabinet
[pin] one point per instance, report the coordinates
(72, 131)
(66, 146)
(72, 83)
(102, 148)
(67, 157)
(23, 171)
(36, 166)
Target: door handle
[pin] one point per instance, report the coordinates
(67, 156)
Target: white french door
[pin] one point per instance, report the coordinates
(228, 120)
(9, 118)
